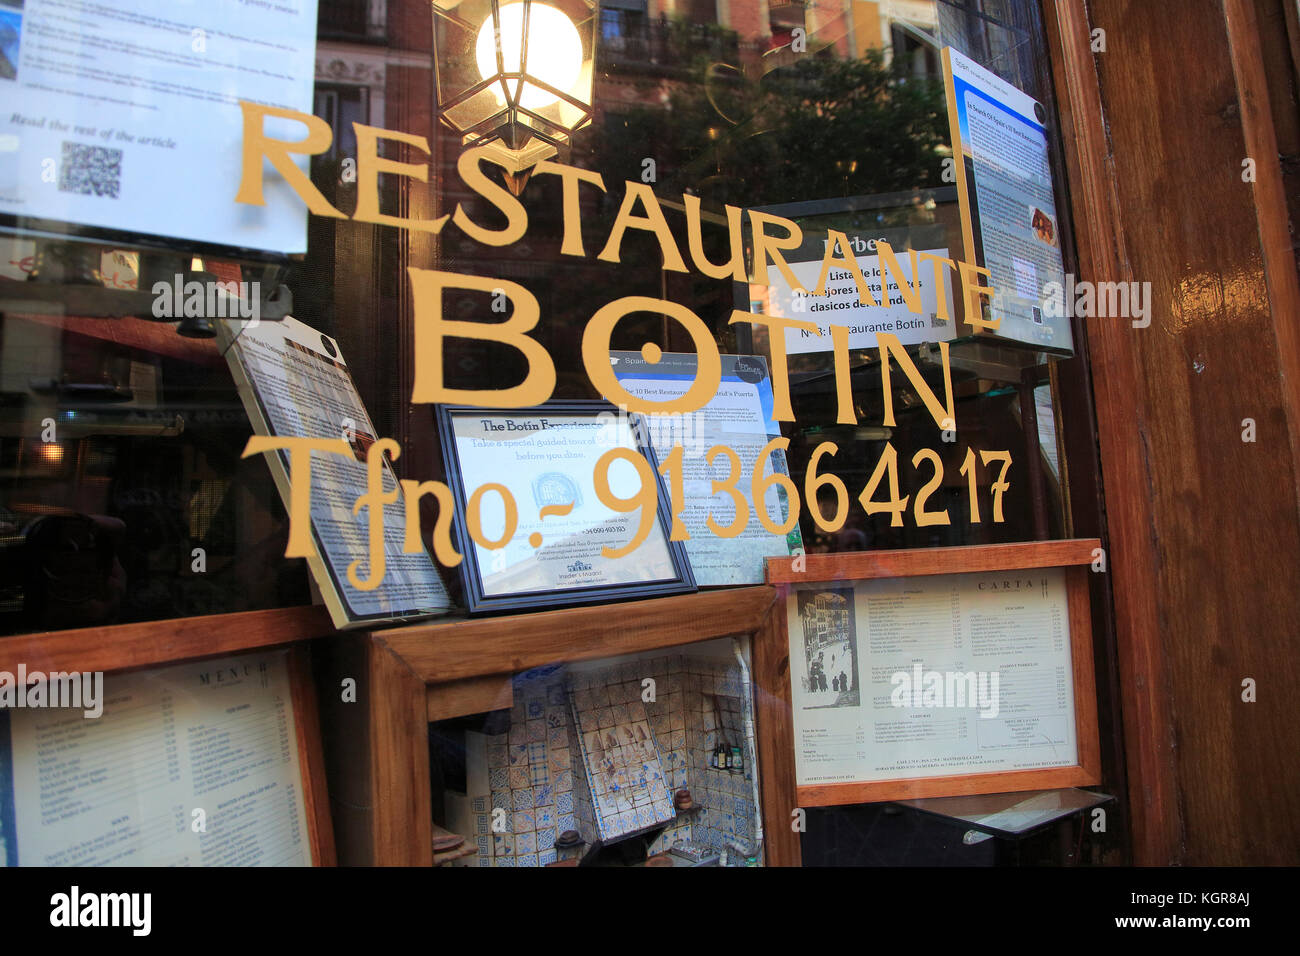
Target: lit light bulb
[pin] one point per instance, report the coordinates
(554, 50)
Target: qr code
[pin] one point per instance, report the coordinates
(90, 170)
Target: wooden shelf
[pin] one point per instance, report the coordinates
(129, 646)
(452, 649)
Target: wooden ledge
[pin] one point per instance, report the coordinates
(129, 646)
(449, 650)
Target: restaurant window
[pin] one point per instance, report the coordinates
(124, 493)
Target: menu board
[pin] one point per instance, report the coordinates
(192, 765)
(294, 382)
(125, 116)
(931, 676)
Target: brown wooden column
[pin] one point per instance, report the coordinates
(1204, 529)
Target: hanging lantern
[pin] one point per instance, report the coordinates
(515, 76)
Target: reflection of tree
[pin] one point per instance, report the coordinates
(816, 129)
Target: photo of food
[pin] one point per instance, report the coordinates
(1044, 226)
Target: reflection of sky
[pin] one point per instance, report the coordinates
(11, 22)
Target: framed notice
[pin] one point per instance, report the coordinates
(941, 672)
(558, 504)
(1008, 207)
(738, 417)
(293, 381)
(122, 120)
(208, 763)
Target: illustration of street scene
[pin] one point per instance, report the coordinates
(830, 647)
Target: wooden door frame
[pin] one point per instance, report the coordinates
(1145, 693)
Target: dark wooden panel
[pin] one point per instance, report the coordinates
(1201, 522)
(311, 757)
(774, 717)
(1156, 828)
(346, 739)
(402, 817)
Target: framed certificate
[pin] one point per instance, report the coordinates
(558, 504)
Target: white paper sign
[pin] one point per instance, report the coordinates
(840, 304)
(126, 115)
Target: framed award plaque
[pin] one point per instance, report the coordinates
(558, 504)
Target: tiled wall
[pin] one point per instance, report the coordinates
(548, 778)
(530, 778)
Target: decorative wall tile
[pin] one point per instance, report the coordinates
(558, 758)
